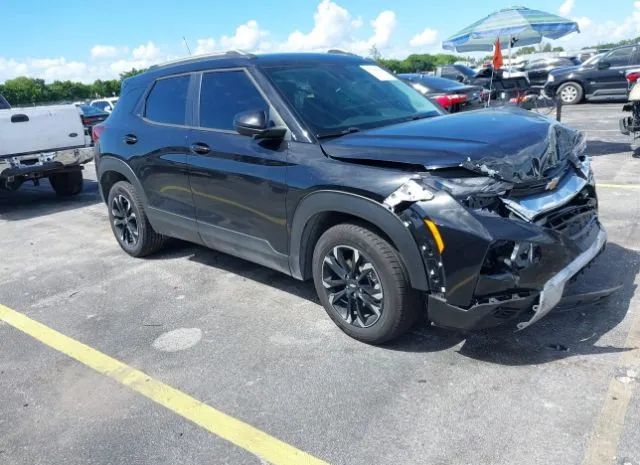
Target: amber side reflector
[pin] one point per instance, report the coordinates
(436, 234)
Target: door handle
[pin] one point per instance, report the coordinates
(130, 139)
(200, 148)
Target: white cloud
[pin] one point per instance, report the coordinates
(61, 69)
(333, 26)
(567, 7)
(205, 46)
(383, 27)
(247, 37)
(104, 51)
(427, 37)
(594, 32)
(146, 52)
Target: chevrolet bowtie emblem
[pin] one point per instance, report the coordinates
(551, 185)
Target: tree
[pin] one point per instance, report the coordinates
(24, 90)
(374, 53)
(132, 72)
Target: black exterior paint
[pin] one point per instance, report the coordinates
(596, 81)
(267, 201)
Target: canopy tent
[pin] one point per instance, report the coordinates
(519, 24)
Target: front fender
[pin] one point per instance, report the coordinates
(315, 204)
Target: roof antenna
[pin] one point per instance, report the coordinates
(187, 45)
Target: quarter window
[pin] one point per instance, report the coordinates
(225, 94)
(167, 101)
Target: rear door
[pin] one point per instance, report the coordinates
(238, 183)
(612, 81)
(158, 154)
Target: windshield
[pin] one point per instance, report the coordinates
(88, 110)
(336, 97)
(465, 70)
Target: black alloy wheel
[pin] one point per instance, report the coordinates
(353, 286)
(125, 221)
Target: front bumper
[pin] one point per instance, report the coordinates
(519, 304)
(40, 164)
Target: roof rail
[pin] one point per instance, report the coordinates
(187, 59)
(341, 52)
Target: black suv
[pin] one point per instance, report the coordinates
(326, 166)
(538, 70)
(599, 79)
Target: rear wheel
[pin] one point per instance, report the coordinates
(67, 184)
(570, 93)
(129, 222)
(363, 285)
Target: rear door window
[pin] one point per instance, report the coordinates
(167, 101)
(620, 57)
(224, 94)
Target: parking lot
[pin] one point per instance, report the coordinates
(256, 345)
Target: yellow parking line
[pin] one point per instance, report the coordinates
(619, 186)
(602, 446)
(235, 431)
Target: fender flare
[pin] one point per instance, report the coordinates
(361, 207)
(108, 163)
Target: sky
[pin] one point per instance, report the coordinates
(84, 41)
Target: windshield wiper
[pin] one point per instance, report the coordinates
(430, 114)
(342, 132)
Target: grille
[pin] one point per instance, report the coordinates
(573, 220)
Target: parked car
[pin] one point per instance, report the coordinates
(43, 142)
(327, 167)
(603, 79)
(460, 73)
(538, 70)
(450, 95)
(105, 104)
(4, 105)
(91, 116)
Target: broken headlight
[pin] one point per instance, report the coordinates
(461, 188)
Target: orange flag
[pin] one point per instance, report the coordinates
(497, 55)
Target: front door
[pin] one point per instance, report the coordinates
(238, 183)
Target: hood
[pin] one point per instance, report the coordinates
(510, 144)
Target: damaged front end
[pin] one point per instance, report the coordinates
(501, 236)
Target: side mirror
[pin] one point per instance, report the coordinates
(255, 123)
(604, 65)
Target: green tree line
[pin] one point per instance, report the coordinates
(418, 63)
(29, 91)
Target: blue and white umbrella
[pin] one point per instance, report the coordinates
(516, 24)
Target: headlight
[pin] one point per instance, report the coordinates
(551, 78)
(462, 188)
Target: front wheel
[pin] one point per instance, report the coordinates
(363, 285)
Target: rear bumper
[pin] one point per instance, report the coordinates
(44, 162)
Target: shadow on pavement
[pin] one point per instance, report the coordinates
(30, 201)
(557, 336)
(596, 148)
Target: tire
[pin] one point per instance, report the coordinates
(129, 222)
(67, 184)
(385, 284)
(570, 93)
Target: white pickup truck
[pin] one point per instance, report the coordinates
(43, 142)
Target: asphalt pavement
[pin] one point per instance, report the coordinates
(256, 345)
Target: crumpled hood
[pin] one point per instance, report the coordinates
(510, 144)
